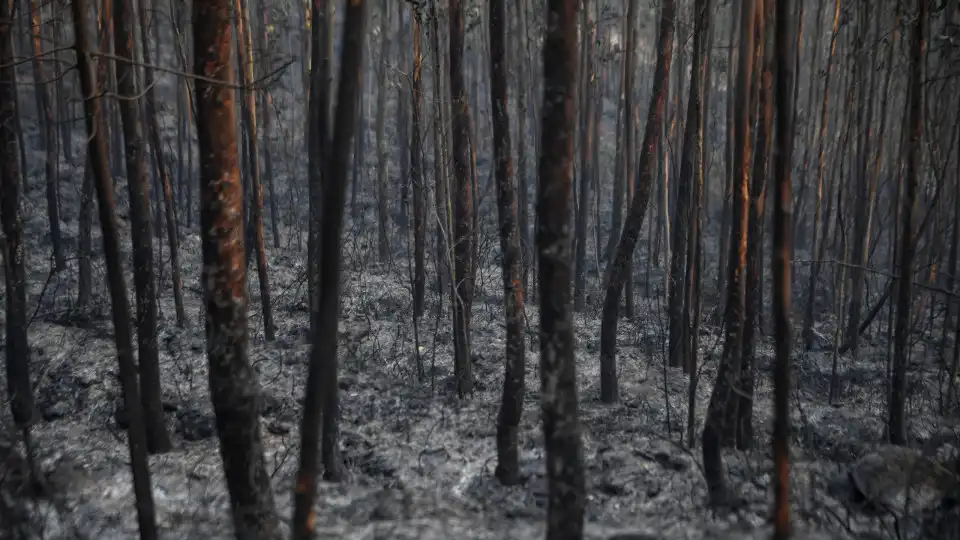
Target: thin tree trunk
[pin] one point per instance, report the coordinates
(156, 145)
(897, 421)
(441, 192)
(618, 273)
(51, 164)
(463, 206)
(17, 346)
(729, 150)
(141, 229)
(417, 178)
(318, 135)
(322, 401)
(586, 152)
(511, 405)
(691, 158)
(267, 105)
(715, 425)
(753, 302)
(383, 213)
(254, 233)
(815, 266)
(100, 172)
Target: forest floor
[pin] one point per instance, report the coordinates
(420, 461)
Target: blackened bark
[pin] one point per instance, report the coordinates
(234, 388)
(100, 173)
(816, 249)
(417, 178)
(383, 210)
(618, 271)
(780, 261)
(558, 370)
(463, 220)
(897, 421)
(318, 141)
(587, 106)
(19, 386)
(753, 305)
(254, 234)
(173, 236)
(49, 140)
(511, 405)
(322, 391)
(678, 303)
(266, 106)
(724, 390)
(141, 230)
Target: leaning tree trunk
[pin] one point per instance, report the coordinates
(618, 272)
(558, 371)
(234, 386)
(100, 172)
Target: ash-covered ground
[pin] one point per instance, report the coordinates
(420, 461)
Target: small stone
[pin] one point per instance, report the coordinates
(195, 424)
(278, 428)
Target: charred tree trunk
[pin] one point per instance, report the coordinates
(815, 249)
(266, 106)
(321, 401)
(51, 164)
(511, 405)
(619, 270)
(156, 144)
(254, 232)
(753, 301)
(724, 392)
(587, 104)
(234, 386)
(17, 347)
(463, 247)
(678, 306)
(897, 421)
(383, 210)
(558, 371)
(138, 184)
(417, 178)
(318, 133)
(780, 263)
(100, 173)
